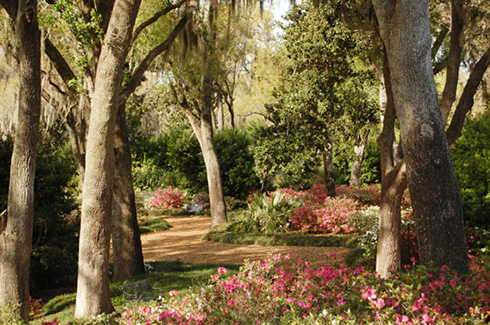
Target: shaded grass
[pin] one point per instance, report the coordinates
(166, 276)
(154, 224)
(281, 239)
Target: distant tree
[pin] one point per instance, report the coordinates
(327, 92)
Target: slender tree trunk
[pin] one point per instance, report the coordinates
(126, 243)
(359, 148)
(215, 187)
(405, 30)
(16, 226)
(328, 169)
(93, 292)
(393, 184)
(454, 58)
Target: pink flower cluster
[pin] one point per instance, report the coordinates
(321, 213)
(168, 198)
(329, 217)
(264, 292)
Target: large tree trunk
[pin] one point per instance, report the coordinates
(16, 226)
(126, 243)
(405, 30)
(359, 148)
(93, 292)
(393, 184)
(328, 169)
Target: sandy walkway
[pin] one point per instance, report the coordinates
(183, 242)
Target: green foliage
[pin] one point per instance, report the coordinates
(328, 94)
(56, 220)
(176, 159)
(8, 314)
(371, 165)
(265, 214)
(471, 157)
(55, 241)
(237, 163)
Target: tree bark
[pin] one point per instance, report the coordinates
(328, 169)
(405, 30)
(359, 148)
(16, 226)
(126, 243)
(216, 198)
(93, 292)
(393, 184)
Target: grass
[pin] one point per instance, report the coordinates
(154, 224)
(166, 276)
(217, 234)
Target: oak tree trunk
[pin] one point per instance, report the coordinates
(16, 226)
(405, 30)
(93, 292)
(126, 243)
(393, 184)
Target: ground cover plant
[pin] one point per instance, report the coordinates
(265, 292)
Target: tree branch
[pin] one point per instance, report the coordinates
(438, 43)
(59, 62)
(155, 17)
(150, 57)
(467, 98)
(454, 59)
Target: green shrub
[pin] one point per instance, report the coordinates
(236, 163)
(471, 156)
(176, 159)
(56, 218)
(55, 241)
(265, 214)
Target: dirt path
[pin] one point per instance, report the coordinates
(183, 242)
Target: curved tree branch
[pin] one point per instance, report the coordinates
(467, 98)
(155, 17)
(150, 57)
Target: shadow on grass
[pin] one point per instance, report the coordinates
(167, 276)
(286, 239)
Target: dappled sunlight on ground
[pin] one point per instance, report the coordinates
(183, 243)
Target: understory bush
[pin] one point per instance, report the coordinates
(265, 292)
(175, 159)
(471, 156)
(168, 198)
(266, 214)
(55, 230)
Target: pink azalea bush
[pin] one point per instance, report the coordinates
(321, 213)
(263, 292)
(168, 198)
(329, 217)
